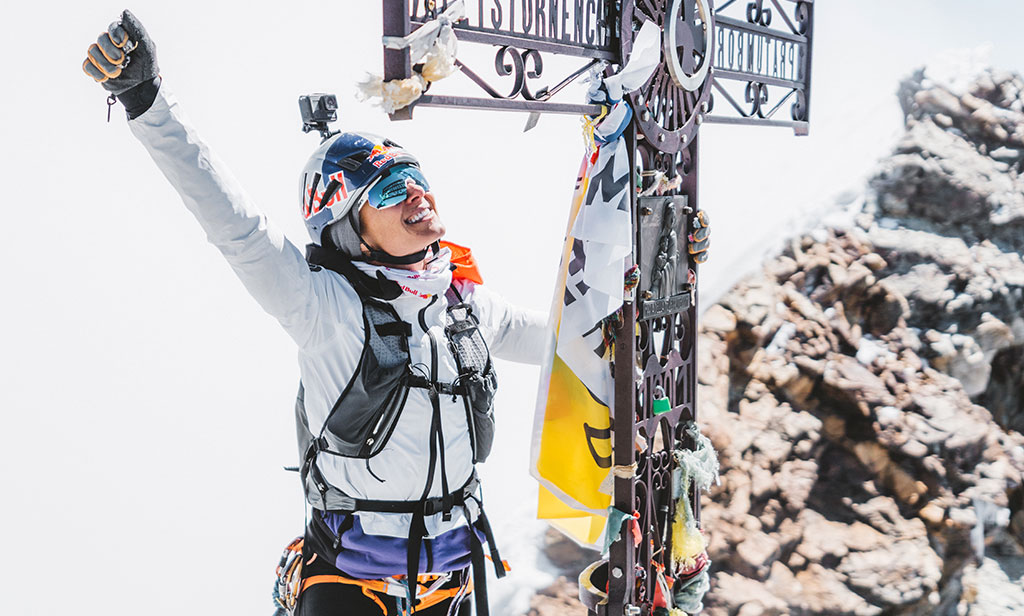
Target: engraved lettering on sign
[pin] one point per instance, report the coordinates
(527, 16)
(577, 23)
(750, 52)
(553, 19)
(496, 15)
(732, 44)
(775, 59)
(720, 61)
(572, 22)
(759, 54)
(591, 10)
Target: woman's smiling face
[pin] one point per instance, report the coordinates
(405, 228)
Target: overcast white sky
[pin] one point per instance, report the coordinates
(147, 399)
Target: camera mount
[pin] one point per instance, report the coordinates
(318, 110)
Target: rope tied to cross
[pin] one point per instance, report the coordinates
(432, 51)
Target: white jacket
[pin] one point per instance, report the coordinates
(323, 314)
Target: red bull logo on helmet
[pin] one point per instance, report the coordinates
(313, 204)
(381, 155)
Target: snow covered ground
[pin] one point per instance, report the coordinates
(147, 400)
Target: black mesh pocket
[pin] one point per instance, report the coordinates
(375, 398)
(467, 344)
(480, 390)
(476, 373)
(388, 337)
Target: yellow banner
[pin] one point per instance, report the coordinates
(572, 446)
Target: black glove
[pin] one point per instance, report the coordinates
(123, 60)
(700, 238)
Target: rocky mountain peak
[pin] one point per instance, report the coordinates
(957, 168)
(865, 388)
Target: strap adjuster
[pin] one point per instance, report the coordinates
(448, 503)
(431, 506)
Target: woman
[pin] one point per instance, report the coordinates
(394, 349)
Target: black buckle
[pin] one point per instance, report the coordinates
(431, 506)
(442, 504)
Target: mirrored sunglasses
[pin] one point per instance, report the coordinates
(390, 189)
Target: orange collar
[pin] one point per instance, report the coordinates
(465, 264)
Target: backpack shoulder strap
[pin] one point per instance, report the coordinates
(365, 285)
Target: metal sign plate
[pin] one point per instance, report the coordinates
(664, 286)
(762, 63)
(523, 33)
(567, 27)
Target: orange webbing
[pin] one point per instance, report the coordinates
(367, 586)
(504, 563)
(465, 265)
(438, 596)
(371, 586)
(372, 597)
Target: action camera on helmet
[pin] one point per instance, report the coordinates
(317, 111)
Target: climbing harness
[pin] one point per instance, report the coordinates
(364, 417)
(288, 584)
(430, 591)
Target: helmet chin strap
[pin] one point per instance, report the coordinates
(379, 256)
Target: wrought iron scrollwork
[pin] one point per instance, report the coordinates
(431, 8)
(670, 106)
(763, 56)
(757, 14)
(509, 61)
(517, 69)
(803, 17)
(756, 96)
(665, 347)
(799, 109)
(652, 162)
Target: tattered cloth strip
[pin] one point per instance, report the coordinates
(612, 322)
(689, 598)
(632, 278)
(622, 472)
(698, 468)
(613, 528)
(434, 45)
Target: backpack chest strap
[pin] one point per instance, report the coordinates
(448, 389)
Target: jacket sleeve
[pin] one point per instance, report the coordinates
(512, 333)
(273, 270)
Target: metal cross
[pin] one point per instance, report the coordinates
(743, 62)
